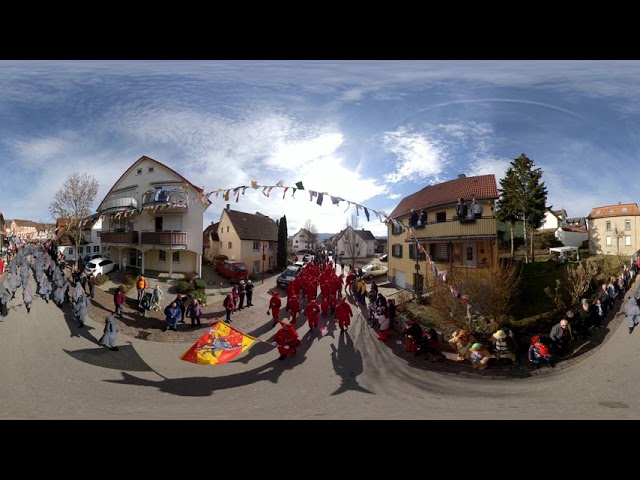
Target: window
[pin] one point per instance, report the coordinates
(627, 224)
(221, 245)
(70, 250)
(80, 250)
(608, 226)
(230, 246)
(608, 241)
(176, 257)
(441, 216)
(256, 246)
(227, 229)
(162, 256)
(99, 232)
(627, 240)
(150, 170)
(139, 171)
(442, 252)
(469, 254)
(396, 251)
(396, 229)
(412, 252)
(96, 249)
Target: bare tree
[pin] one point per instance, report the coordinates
(312, 235)
(72, 204)
(618, 234)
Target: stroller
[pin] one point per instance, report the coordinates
(145, 303)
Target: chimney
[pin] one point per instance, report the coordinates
(461, 175)
(228, 206)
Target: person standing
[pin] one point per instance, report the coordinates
(172, 316)
(91, 281)
(294, 308)
(249, 291)
(110, 334)
(312, 312)
(156, 297)
(561, 334)
(80, 308)
(242, 292)
(118, 299)
(632, 311)
(141, 285)
(229, 307)
(194, 311)
(181, 302)
(235, 296)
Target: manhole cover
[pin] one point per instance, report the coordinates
(143, 335)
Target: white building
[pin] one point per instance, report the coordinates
(153, 219)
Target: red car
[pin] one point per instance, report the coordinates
(233, 271)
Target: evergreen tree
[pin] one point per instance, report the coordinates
(525, 197)
(283, 243)
(506, 206)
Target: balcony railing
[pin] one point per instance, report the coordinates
(165, 238)
(456, 229)
(118, 204)
(119, 237)
(171, 200)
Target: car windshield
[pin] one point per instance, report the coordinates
(241, 268)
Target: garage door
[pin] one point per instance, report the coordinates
(400, 280)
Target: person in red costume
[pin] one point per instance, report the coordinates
(286, 339)
(274, 306)
(344, 314)
(294, 308)
(312, 312)
(324, 306)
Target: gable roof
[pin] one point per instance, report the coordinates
(211, 232)
(363, 234)
(619, 210)
(253, 226)
(483, 186)
(142, 159)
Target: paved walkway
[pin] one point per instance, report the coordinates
(256, 322)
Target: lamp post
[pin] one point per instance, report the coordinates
(263, 258)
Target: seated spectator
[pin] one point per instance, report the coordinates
(540, 352)
(561, 334)
(431, 345)
(504, 346)
(479, 356)
(461, 341)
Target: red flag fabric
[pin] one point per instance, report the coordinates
(219, 345)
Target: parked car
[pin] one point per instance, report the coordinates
(99, 266)
(87, 258)
(233, 271)
(288, 275)
(384, 258)
(374, 270)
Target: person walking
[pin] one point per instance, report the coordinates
(274, 307)
(91, 281)
(312, 312)
(249, 291)
(156, 297)
(80, 308)
(632, 311)
(110, 334)
(343, 314)
(294, 308)
(172, 316)
(118, 299)
(194, 311)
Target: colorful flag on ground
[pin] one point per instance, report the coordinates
(219, 345)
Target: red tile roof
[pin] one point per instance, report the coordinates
(431, 196)
(619, 210)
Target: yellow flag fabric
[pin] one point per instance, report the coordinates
(219, 345)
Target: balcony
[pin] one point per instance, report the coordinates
(114, 205)
(119, 237)
(166, 238)
(167, 200)
(456, 230)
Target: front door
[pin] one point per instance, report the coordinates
(469, 254)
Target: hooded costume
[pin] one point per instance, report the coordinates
(110, 335)
(286, 339)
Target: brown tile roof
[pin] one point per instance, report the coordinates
(573, 229)
(431, 196)
(619, 210)
(211, 232)
(253, 226)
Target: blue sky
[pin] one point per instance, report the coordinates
(370, 132)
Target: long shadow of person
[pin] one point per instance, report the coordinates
(347, 363)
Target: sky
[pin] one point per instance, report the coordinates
(370, 132)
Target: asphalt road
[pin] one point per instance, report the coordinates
(51, 369)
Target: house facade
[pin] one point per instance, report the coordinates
(248, 238)
(431, 218)
(614, 229)
(569, 233)
(352, 243)
(210, 243)
(24, 229)
(302, 240)
(90, 241)
(153, 219)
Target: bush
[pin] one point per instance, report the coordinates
(183, 286)
(101, 280)
(190, 276)
(200, 295)
(200, 284)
